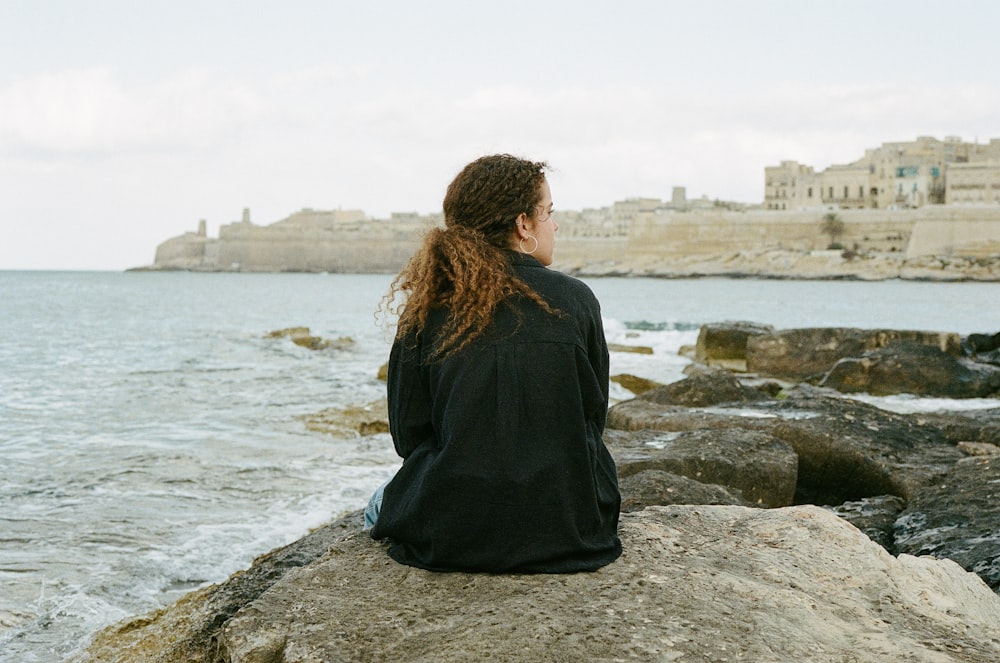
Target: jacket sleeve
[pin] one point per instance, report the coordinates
(409, 399)
(597, 352)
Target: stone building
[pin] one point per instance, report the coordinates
(895, 175)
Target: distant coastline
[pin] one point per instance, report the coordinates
(638, 237)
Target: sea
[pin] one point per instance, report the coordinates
(152, 433)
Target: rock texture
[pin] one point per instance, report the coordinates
(695, 583)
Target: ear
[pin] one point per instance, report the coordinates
(524, 225)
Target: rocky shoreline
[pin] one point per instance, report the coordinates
(797, 265)
(766, 517)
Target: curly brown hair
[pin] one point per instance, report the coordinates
(462, 268)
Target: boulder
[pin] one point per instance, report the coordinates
(807, 354)
(694, 583)
(907, 367)
(724, 344)
(875, 516)
(752, 464)
(957, 517)
(846, 450)
(980, 343)
(704, 389)
(657, 488)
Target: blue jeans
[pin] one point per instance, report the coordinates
(374, 506)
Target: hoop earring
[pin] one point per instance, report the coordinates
(520, 245)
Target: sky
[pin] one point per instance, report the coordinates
(124, 123)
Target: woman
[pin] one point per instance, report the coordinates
(498, 392)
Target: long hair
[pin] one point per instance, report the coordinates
(462, 268)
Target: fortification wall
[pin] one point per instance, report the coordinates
(649, 239)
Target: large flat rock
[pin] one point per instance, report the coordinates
(695, 583)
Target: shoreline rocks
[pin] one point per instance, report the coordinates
(764, 518)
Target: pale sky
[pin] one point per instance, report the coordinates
(124, 122)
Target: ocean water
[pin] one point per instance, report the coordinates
(151, 434)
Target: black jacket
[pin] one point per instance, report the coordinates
(504, 467)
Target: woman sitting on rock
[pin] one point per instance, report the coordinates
(498, 392)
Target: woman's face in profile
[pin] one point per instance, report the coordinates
(544, 227)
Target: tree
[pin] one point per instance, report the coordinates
(833, 226)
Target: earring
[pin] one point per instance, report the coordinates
(520, 245)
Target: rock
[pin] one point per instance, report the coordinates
(186, 631)
(846, 450)
(753, 464)
(303, 337)
(957, 517)
(906, 367)
(352, 420)
(704, 389)
(634, 383)
(724, 344)
(694, 583)
(977, 343)
(807, 354)
(637, 349)
(979, 448)
(657, 488)
(875, 516)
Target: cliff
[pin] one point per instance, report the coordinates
(935, 242)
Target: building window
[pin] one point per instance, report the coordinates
(810, 192)
(845, 193)
(831, 193)
(861, 192)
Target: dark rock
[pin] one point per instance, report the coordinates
(875, 516)
(906, 367)
(957, 517)
(979, 343)
(807, 354)
(846, 450)
(703, 389)
(754, 464)
(658, 488)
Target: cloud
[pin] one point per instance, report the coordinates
(91, 112)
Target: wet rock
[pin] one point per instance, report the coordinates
(303, 337)
(957, 517)
(352, 420)
(636, 349)
(807, 354)
(981, 343)
(658, 488)
(634, 383)
(912, 368)
(875, 516)
(753, 464)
